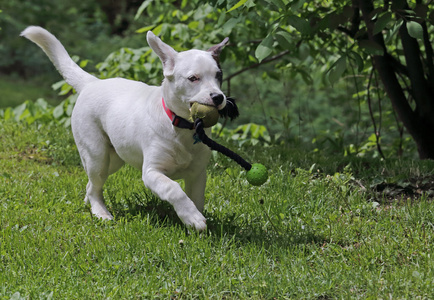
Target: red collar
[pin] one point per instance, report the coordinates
(177, 121)
(169, 113)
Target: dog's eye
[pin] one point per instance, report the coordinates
(193, 78)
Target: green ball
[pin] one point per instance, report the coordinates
(257, 175)
(208, 114)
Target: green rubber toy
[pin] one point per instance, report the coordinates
(257, 175)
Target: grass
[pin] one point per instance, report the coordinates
(316, 230)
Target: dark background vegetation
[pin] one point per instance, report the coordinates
(303, 69)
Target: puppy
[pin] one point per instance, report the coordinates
(117, 121)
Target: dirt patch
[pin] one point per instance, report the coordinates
(414, 187)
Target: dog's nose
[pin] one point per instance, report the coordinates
(217, 98)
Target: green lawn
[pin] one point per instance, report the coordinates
(315, 230)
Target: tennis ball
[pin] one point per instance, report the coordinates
(257, 175)
(208, 114)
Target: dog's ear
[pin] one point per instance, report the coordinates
(166, 53)
(217, 49)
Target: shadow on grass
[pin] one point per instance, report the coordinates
(162, 213)
(247, 233)
(144, 203)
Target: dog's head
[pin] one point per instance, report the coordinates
(192, 76)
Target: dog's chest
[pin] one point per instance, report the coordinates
(184, 158)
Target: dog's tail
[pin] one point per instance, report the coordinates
(70, 71)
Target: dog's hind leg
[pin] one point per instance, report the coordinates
(115, 162)
(99, 161)
(97, 171)
(195, 189)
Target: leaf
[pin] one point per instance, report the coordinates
(19, 110)
(300, 24)
(371, 47)
(142, 7)
(42, 104)
(278, 3)
(264, 48)
(193, 25)
(157, 30)
(84, 63)
(391, 32)
(415, 30)
(338, 69)
(240, 3)
(229, 25)
(8, 114)
(66, 88)
(304, 51)
(284, 38)
(58, 111)
(69, 109)
(296, 5)
(307, 78)
(145, 29)
(382, 22)
(358, 59)
(58, 85)
(26, 113)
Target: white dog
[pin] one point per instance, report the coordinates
(117, 120)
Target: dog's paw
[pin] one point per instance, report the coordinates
(101, 212)
(103, 216)
(197, 222)
(192, 218)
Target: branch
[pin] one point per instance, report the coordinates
(398, 66)
(419, 84)
(429, 53)
(273, 58)
(371, 113)
(355, 22)
(383, 64)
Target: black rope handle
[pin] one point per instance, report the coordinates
(200, 133)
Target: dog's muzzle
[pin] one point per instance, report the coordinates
(217, 99)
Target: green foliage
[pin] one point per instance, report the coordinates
(309, 75)
(75, 22)
(249, 134)
(41, 111)
(135, 64)
(300, 40)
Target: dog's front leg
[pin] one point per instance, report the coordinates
(169, 190)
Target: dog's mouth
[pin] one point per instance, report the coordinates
(230, 110)
(206, 104)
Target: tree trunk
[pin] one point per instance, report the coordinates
(420, 121)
